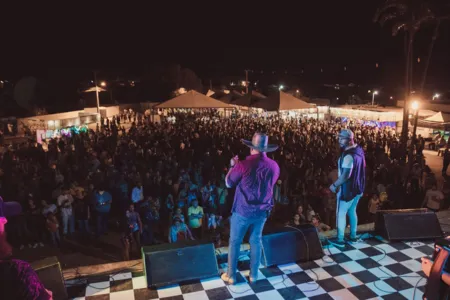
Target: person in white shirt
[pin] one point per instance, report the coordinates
(137, 194)
(433, 199)
(65, 201)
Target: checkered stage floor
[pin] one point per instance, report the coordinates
(370, 269)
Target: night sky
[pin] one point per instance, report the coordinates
(328, 35)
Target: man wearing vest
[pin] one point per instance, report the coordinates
(349, 186)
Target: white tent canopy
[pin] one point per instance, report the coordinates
(438, 118)
(193, 99)
(93, 89)
(283, 101)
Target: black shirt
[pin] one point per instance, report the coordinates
(81, 208)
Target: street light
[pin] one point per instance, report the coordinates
(373, 96)
(436, 96)
(103, 83)
(281, 87)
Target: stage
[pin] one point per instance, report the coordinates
(369, 269)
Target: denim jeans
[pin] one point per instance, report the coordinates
(239, 227)
(68, 221)
(83, 226)
(102, 222)
(55, 238)
(343, 209)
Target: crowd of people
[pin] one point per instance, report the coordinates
(165, 182)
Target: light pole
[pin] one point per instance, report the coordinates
(373, 96)
(96, 92)
(415, 108)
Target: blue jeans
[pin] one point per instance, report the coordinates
(239, 227)
(83, 226)
(55, 238)
(68, 221)
(102, 222)
(342, 210)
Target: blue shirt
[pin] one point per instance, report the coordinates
(101, 202)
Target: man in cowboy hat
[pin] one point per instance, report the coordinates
(349, 186)
(254, 179)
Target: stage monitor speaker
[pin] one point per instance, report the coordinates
(171, 263)
(407, 224)
(49, 272)
(285, 245)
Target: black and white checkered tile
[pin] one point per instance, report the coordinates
(371, 269)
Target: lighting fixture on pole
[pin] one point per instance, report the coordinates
(436, 96)
(373, 96)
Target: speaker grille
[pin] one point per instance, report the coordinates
(180, 262)
(408, 225)
(291, 245)
(49, 272)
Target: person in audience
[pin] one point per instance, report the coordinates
(65, 201)
(374, 205)
(179, 231)
(433, 199)
(135, 226)
(82, 212)
(321, 227)
(53, 229)
(102, 204)
(195, 215)
(302, 217)
(296, 221)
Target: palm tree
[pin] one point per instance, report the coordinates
(439, 21)
(408, 16)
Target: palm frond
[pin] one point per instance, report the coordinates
(386, 17)
(396, 5)
(397, 27)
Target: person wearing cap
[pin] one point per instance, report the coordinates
(349, 186)
(254, 179)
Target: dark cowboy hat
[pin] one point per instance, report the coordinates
(260, 142)
(9, 209)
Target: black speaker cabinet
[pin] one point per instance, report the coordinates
(285, 245)
(49, 272)
(407, 224)
(171, 263)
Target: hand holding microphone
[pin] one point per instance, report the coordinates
(234, 161)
